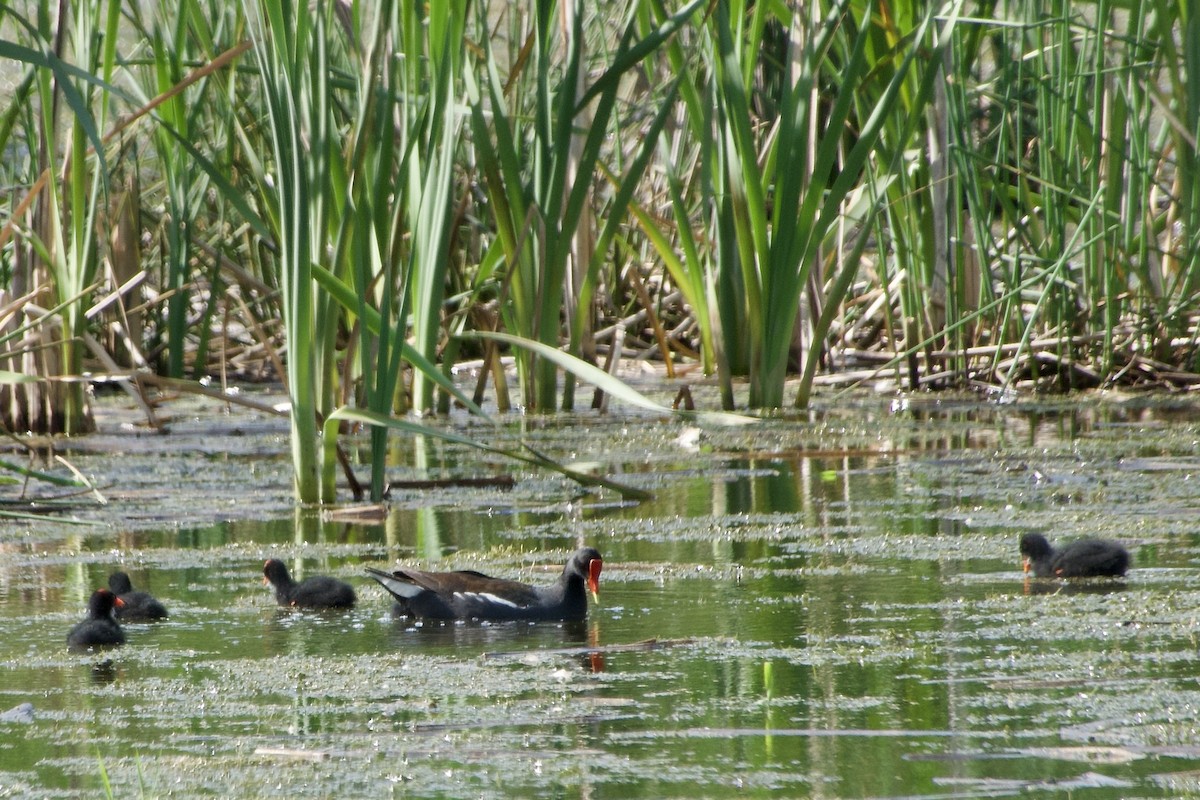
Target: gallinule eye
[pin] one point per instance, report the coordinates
(135, 606)
(319, 591)
(1084, 558)
(100, 629)
(467, 594)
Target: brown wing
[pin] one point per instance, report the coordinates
(469, 582)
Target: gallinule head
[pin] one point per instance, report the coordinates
(467, 594)
(135, 606)
(100, 629)
(1083, 558)
(319, 591)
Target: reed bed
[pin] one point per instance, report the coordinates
(355, 198)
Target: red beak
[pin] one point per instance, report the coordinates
(1025, 564)
(118, 602)
(594, 567)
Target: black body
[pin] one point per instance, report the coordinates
(467, 594)
(319, 591)
(136, 606)
(101, 628)
(1084, 558)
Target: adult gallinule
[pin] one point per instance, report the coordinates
(101, 628)
(135, 606)
(467, 594)
(319, 591)
(1084, 558)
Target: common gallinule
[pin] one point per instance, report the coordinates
(135, 606)
(319, 591)
(467, 594)
(101, 627)
(1084, 558)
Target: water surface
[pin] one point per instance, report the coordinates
(835, 603)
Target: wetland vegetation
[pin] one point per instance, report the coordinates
(383, 249)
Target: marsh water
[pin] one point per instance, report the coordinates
(824, 606)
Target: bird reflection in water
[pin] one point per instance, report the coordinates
(574, 639)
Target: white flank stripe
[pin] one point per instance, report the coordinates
(487, 597)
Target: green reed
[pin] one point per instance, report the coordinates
(400, 182)
(537, 164)
(1066, 161)
(292, 69)
(170, 51)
